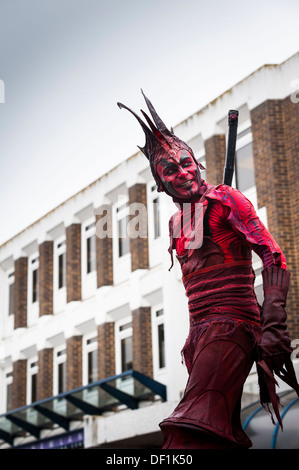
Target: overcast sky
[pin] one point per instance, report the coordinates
(65, 63)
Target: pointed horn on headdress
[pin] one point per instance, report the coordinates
(159, 123)
(152, 126)
(149, 135)
(157, 133)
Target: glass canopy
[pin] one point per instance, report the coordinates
(128, 388)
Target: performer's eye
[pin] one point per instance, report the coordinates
(169, 171)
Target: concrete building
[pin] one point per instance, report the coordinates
(92, 322)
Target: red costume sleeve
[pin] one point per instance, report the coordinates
(242, 218)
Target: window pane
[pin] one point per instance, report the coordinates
(33, 388)
(92, 366)
(34, 285)
(61, 378)
(11, 299)
(245, 168)
(126, 354)
(123, 239)
(161, 345)
(91, 253)
(156, 218)
(9, 397)
(61, 270)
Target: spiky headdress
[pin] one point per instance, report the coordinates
(159, 141)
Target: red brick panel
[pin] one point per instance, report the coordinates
(45, 374)
(104, 245)
(142, 341)
(106, 350)
(139, 244)
(291, 115)
(45, 278)
(73, 262)
(275, 147)
(19, 383)
(74, 362)
(20, 293)
(215, 151)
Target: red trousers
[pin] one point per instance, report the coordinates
(208, 416)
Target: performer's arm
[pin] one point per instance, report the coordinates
(244, 220)
(275, 346)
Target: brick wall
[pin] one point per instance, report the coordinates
(74, 362)
(45, 374)
(20, 292)
(142, 341)
(106, 350)
(291, 115)
(275, 148)
(19, 383)
(104, 246)
(139, 244)
(215, 151)
(73, 262)
(45, 275)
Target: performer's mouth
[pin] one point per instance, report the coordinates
(186, 183)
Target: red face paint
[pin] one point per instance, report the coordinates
(180, 175)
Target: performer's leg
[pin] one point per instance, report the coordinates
(211, 403)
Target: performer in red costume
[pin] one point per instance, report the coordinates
(213, 233)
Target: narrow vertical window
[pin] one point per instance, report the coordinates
(61, 270)
(154, 213)
(11, 284)
(92, 366)
(92, 360)
(156, 210)
(161, 339)
(161, 345)
(124, 340)
(159, 350)
(61, 377)
(60, 371)
(122, 229)
(8, 382)
(245, 177)
(35, 285)
(33, 276)
(32, 381)
(123, 239)
(126, 354)
(33, 388)
(61, 265)
(90, 254)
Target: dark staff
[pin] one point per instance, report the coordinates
(231, 147)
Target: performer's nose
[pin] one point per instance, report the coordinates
(183, 172)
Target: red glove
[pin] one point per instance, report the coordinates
(275, 345)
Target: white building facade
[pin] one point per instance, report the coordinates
(83, 303)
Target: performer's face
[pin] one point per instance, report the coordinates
(180, 175)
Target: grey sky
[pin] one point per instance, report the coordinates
(65, 64)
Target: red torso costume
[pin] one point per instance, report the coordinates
(230, 221)
(224, 315)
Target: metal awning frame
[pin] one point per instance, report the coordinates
(85, 408)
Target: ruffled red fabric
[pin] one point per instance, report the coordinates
(231, 221)
(223, 289)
